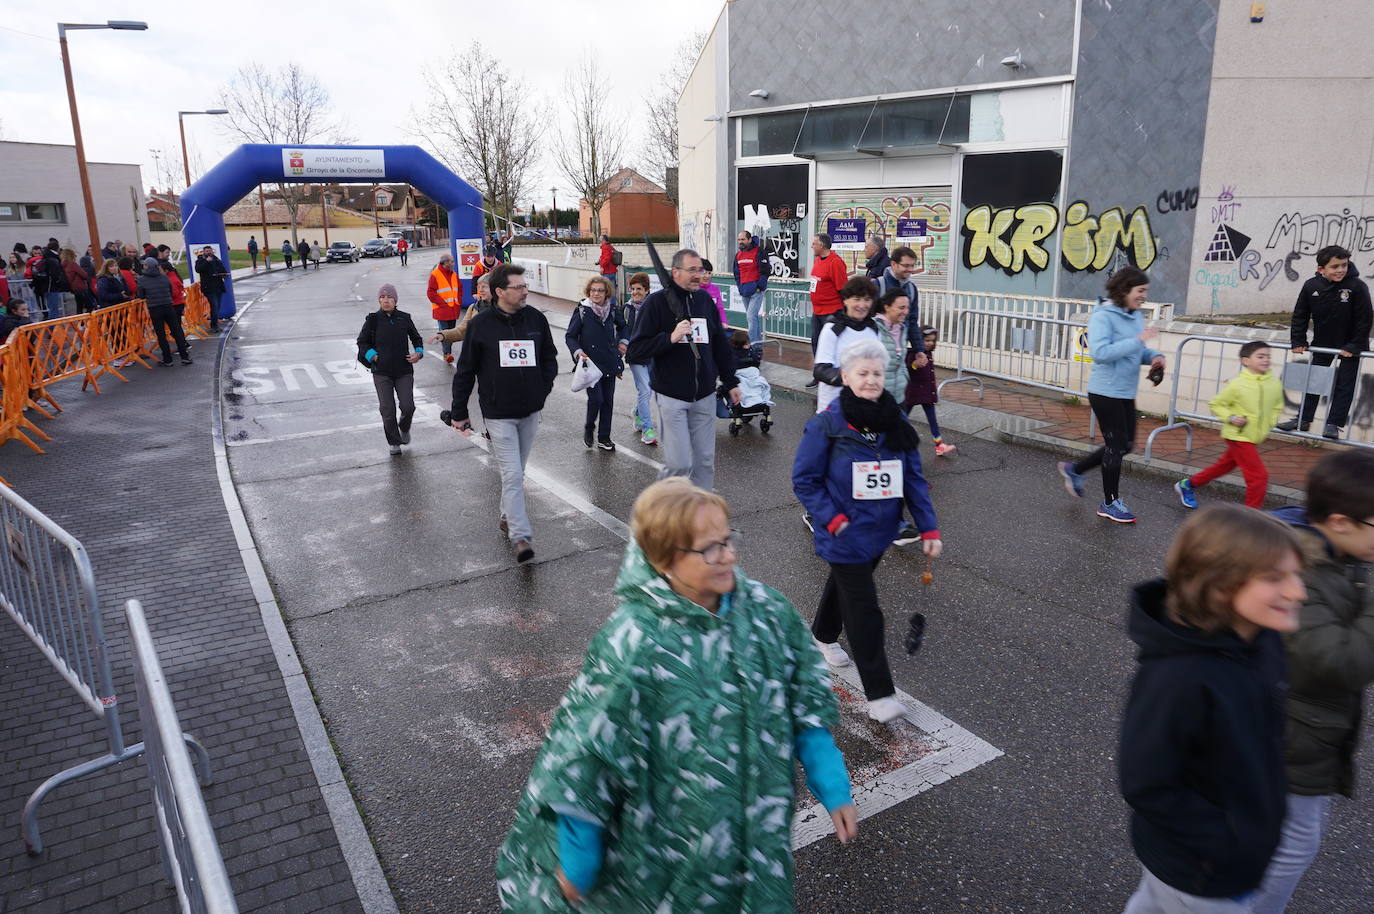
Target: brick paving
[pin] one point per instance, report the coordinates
(132, 475)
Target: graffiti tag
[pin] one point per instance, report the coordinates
(1013, 238)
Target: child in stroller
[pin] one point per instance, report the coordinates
(756, 395)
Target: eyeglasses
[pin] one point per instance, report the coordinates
(516, 288)
(714, 553)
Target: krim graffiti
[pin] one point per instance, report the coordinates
(1014, 238)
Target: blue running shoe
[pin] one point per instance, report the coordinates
(1115, 511)
(1186, 493)
(1072, 481)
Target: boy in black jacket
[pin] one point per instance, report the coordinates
(509, 353)
(1336, 301)
(1201, 755)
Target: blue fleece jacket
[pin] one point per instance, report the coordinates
(1117, 351)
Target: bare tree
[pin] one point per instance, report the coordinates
(282, 106)
(590, 150)
(660, 150)
(481, 122)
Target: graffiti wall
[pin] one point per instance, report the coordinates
(1252, 254)
(1008, 221)
(881, 209)
(772, 205)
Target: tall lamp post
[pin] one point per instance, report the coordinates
(554, 191)
(181, 125)
(62, 28)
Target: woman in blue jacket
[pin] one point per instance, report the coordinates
(1116, 342)
(597, 332)
(856, 464)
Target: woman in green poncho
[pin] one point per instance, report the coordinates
(665, 781)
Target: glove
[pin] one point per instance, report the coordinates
(370, 355)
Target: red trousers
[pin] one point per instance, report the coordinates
(1245, 455)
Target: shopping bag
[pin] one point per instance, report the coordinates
(585, 374)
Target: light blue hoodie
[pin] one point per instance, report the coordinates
(1117, 352)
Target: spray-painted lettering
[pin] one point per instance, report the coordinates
(1173, 201)
(1013, 238)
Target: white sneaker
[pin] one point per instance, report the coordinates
(833, 653)
(886, 709)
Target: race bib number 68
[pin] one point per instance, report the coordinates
(517, 353)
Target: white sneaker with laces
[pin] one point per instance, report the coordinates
(886, 709)
(833, 653)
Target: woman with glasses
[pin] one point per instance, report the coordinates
(665, 782)
(856, 465)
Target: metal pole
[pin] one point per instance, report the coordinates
(324, 211)
(185, 160)
(376, 226)
(266, 245)
(80, 147)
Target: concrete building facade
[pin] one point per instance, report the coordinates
(1035, 148)
(40, 198)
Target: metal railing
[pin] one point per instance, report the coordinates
(23, 288)
(47, 586)
(191, 858)
(1044, 352)
(1217, 361)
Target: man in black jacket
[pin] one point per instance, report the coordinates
(680, 334)
(509, 353)
(211, 271)
(156, 289)
(1336, 301)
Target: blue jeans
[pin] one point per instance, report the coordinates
(1154, 896)
(52, 301)
(447, 325)
(1303, 828)
(642, 409)
(753, 310)
(511, 442)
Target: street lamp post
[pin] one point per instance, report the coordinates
(554, 191)
(62, 29)
(181, 125)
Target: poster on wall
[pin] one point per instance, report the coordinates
(1008, 216)
(469, 253)
(772, 206)
(911, 231)
(846, 234)
(881, 211)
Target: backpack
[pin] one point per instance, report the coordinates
(617, 258)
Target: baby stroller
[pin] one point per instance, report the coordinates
(756, 396)
(742, 415)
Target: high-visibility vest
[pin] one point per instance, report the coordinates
(450, 289)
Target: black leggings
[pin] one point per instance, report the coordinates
(1116, 419)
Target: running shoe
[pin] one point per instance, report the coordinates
(1073, 482)
(1332, 432)
(606, 446)
(944, 450)
(886, 709)
(811, 384)
(833, 654)
(1186, 493)
(907, 535)
(639, 423)
(806, 519)
(649, 437)
(523, 551)
(1116, 511)
(587, 436)
(1293, 425)
(395, 450)
(405, 436)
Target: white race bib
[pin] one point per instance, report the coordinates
(517, 353)
(698, 334)
(877, 479)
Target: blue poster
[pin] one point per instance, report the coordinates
(846, 234)
(910, 229)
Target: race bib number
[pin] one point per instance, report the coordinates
(813, 281)
(517, 354)
(877, 479)
(698, 334)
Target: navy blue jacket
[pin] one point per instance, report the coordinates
(676, 372)
(876, 265)
(599, 340)
(823, 481)
(886, 282)
(111, 290)
(1201, 755)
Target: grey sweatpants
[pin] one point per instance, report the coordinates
(687, 431)
(1154, 896)
(511, 443)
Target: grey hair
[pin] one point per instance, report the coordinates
(483, 280)
(862, 350)
(682, 255)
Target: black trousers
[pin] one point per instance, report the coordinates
(165, 318)
(1116, 419)
(817, 324)
(1342, 392)
(390, 392)
(404, 255)
(600, 405)
(850, 603)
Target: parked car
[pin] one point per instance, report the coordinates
(342, 252)
(378, 247)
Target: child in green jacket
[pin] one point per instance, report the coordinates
(1248, 407)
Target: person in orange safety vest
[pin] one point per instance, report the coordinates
(446, 298)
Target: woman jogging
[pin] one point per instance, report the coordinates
(1116, 342)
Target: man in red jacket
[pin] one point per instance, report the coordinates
(445, 295)
(828, 276)
(606, 262)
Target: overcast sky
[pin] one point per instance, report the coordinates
(130, 85)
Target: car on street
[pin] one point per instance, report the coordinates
(342, 252)
(378, 247)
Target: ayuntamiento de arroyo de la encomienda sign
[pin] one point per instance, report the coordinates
(333, 163)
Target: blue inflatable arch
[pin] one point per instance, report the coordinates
(204, 202)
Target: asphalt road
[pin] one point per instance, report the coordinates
(437, 662)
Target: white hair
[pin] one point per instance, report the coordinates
(862, 350)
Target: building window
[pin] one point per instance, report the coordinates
(875, 125)
(33, 212)
(625, 182)
(383, 198)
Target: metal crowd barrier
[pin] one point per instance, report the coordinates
(1218, 361)
(47, 586)
(1044, 352)
(191, 858)
(23, 288)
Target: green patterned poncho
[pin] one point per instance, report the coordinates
(677, 738)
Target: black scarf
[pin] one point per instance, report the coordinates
(881, 415)
(842, 321)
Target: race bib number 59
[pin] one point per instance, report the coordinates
(517, 353)
(877, 479)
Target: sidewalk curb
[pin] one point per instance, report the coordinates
(354, 842)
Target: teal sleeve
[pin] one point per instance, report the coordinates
(370, 354)
(824, 766)
(580, 851)
(420, 349)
